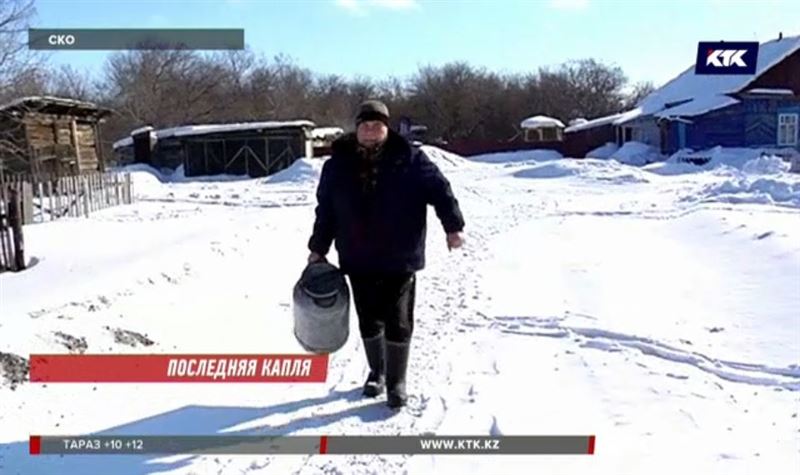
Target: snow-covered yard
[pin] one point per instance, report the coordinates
(657, 308)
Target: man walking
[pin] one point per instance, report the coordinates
(372, 201)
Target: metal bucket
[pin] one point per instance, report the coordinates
(321, 308)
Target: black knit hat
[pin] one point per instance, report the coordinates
(372, 110)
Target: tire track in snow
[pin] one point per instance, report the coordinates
(787, 378)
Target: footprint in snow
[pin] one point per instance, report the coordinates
(130, 338)
(765, 235)
(73, 344)
(14, 369)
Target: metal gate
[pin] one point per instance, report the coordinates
(255, 157)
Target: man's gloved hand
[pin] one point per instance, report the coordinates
(455, 240)
(314, 257)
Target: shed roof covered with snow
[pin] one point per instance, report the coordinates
(205, 129)
(54, 105)
(541, 121)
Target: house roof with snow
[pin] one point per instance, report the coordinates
(694, 94)
(612, 119)
(540, 122)
(690, 94)
(204, 129)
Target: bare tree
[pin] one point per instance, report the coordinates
(447, 98)
(18, 65)
(591, 89)
(69, 82)
(639, 91)
(455, 101)
(164, 87)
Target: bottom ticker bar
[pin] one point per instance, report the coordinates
(350, 445)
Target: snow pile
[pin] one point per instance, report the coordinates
(590, 169)
(443, 159)
(766, 165)
(604, 151)
(770, 190)
(539, 155)
(749, 160)
(304, 170)
(636, 153)
(143, 175)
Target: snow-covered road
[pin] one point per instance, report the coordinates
(660, 312)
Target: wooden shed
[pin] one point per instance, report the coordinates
(253, 148)
(44, 134)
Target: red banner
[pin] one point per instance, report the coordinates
(179, 368)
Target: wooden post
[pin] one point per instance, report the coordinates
(128, 189)
(67, 193)
(95, 193)
(76, 143)
(64, 196)
(78, 195)
(40, 192)
(62, 191)
(99, 188)
(73, 196)
(103, 193)
(89, 192)
(5, 243)
(98, 146)
(85, 185)
(116, 188)
(15, 223)
(26, 202)
(55, 212)
(50, 195)
(98, 205)
(77, 200)
(5, 257)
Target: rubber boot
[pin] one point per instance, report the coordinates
(396, 366)
(376, 382)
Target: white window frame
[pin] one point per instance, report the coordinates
(785, 121)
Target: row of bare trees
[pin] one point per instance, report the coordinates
(167, 88)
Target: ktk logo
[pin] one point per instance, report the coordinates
(726, 58)
(721, 58)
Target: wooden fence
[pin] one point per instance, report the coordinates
(28, 199)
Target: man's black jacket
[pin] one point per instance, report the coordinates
(380, 228)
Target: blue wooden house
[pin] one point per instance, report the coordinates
(703, 111)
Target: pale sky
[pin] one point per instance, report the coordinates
(651, 40)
